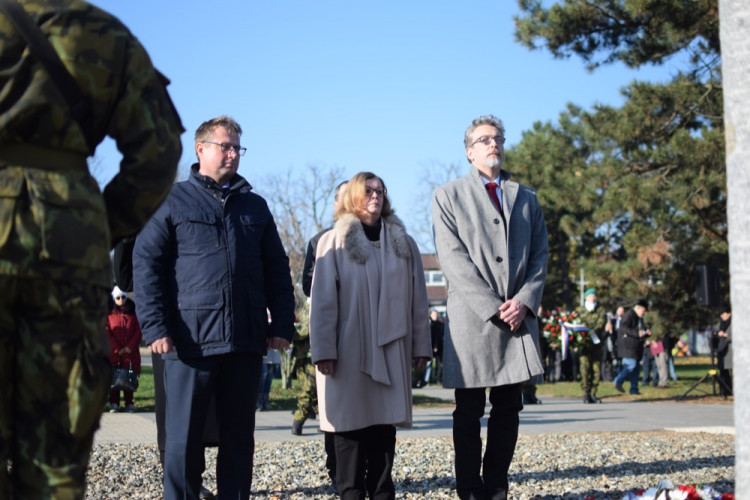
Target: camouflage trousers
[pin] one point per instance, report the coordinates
(54, 379)
(590, 365)
(307, 404)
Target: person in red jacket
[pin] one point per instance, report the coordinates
(124, 334)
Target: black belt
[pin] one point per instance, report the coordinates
(27, 155)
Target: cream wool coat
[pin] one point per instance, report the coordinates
(369, 314)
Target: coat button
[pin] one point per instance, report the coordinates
(498, 259)
(496, 221)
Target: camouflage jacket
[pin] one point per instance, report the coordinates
(301, 344)
(75, 224)
(595, 320)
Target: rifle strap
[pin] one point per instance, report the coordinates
(79, 105)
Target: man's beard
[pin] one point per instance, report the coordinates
(493, 161)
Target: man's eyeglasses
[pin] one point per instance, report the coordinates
(120, 297)
(225, 148)
(486, 139)
(379, 192)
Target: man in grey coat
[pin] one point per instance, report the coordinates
(491, 241)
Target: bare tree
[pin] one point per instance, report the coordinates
(302, 206)
(431, 177)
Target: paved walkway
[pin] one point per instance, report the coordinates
(555, 415)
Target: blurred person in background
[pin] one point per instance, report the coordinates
(125, 336)
(630, 344)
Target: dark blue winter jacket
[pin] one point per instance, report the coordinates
(207, 266)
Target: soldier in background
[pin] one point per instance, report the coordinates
(56, 230)
(590, 356)
(307, 404)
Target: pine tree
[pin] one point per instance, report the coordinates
(637, 194)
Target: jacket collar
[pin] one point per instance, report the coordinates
(349, 229)
(237, 183)
(509, 187)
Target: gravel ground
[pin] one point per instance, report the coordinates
(545, 466)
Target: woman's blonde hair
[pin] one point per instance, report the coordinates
(355, 196)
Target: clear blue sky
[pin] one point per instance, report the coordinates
(387, 86)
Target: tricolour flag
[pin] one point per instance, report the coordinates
(567, 329)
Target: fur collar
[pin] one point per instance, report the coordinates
(349, 229)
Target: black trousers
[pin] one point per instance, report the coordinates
(160, 403)
(211, 431)
(233, 379)
(477, 478)
(364, 459)
(330, 447)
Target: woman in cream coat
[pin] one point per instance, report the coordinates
(368, 320)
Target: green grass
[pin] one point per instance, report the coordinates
(281, 399)
(144, 396)
(689, 371)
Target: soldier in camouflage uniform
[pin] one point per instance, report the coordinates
(56, 229)
(590, 357)
(307, 403)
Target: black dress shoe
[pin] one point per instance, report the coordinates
(332, 477)
(594, 399)
(206, 494)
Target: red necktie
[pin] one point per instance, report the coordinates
(492, 189)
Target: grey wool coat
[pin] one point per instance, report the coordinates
(368, 312)
(488, 258)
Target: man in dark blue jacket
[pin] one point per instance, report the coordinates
(206, 268)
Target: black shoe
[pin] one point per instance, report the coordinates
(587, 398)
(332, 477)
(297, 427)
(206, 494)
(594, 399)
(619, 388)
